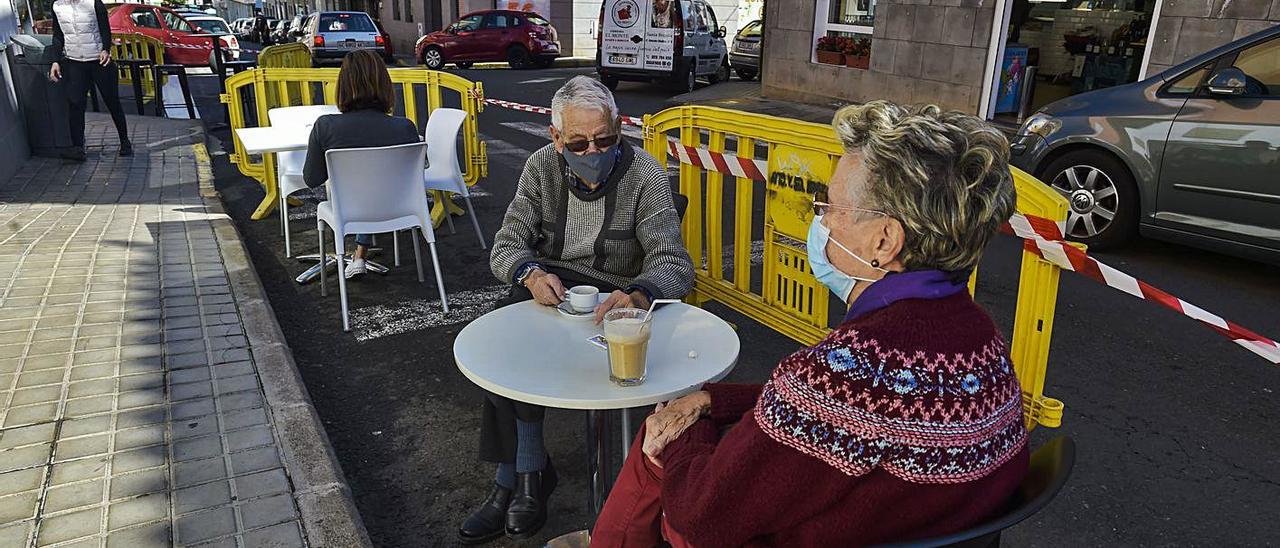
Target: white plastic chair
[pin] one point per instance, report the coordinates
(289, 163)
(363, 200)
(443, 173)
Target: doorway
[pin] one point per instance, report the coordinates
(1055, 49)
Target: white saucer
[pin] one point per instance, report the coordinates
(566, 310)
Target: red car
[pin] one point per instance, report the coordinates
(181, 43)
(522, 39)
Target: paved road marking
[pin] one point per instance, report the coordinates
(542, 80)
(374, 322)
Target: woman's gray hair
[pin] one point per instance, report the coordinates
(943, 175)
(582, 92)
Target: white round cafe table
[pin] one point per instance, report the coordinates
(533, 354)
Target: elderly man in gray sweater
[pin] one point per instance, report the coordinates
(589, 209)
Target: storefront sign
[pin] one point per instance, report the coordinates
(795, 175)
(639, 34)
(540, 7)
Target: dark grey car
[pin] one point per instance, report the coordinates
(744, 56)
(1189, 155)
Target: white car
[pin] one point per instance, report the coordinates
(212, 24)
(241, 26)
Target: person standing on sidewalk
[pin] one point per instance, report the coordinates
(82, 53)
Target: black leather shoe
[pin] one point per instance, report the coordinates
(489, 521)
(126, 149)
(75, 154)
(528, 511)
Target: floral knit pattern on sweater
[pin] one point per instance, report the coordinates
(856, 404)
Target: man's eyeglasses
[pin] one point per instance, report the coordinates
(821, 206)
(603, 142)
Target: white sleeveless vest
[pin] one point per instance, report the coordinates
(79, 24)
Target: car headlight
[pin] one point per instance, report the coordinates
(1040, 124)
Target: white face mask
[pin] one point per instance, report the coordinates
(838, 282)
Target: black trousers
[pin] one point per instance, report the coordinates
(79, 76)
(498, 426)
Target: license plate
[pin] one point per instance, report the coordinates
(748, 46)
(622, 59)
(352, 44)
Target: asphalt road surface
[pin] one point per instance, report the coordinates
(1175, 425)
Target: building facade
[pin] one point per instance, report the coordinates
(969, 55)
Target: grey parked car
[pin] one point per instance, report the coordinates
(331, 35)
(745, 55)
(1190, 155)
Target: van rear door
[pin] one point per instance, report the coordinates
(639, 34)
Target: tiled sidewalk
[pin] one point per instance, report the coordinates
(132, 410)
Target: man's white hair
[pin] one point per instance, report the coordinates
(582, 92)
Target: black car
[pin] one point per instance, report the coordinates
(744, 57)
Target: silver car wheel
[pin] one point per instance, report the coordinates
(433, 58)
(1093, 199)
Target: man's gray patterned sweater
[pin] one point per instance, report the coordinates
(625, 233)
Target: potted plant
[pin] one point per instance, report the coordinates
(857, 53)
(829, 50)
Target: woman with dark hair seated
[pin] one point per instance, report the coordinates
(365, 99)
(906, 421)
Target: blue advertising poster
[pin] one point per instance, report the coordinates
(1011, 73)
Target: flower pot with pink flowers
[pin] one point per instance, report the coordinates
(830, 50)
(857, 53)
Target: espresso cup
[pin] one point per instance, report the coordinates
(583, 298)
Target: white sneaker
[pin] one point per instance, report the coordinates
(356, 267)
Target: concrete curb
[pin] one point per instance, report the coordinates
(328, 511)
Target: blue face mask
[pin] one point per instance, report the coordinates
(838, 282)
(592, 168)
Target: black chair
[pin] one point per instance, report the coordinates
(1050, 467)
(173, 70)
(136, 66)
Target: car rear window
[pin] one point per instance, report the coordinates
(346, 22)
(212, 26)
(538, 21)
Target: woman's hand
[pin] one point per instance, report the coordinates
(104, 57)
(55, 73)
(669, 421)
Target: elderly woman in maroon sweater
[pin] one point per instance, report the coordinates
(906, 421)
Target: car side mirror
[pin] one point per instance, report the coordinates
(1228, 82)
(722, 32)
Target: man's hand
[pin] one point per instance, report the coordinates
(104, 57)
(669, 421)
(618, 299)
(55, 73)
(545, 286)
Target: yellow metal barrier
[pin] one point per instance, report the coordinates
(291, 55)
(780, 291)
(422, 91)
(137, 46)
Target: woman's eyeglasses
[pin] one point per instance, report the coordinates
(603, 142)
(821, 206)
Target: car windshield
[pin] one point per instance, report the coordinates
(752, 30)
(538, 21)
(212, 26)
(346, 22)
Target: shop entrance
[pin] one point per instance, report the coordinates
(1055, 49)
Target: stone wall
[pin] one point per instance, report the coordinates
(1187, 28)
(923, 51)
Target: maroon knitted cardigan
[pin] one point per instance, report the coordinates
(902, 424)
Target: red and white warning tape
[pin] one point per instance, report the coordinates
(626, 120)
(1044, 238)
(1041, 236)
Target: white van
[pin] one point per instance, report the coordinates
(672, 41)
